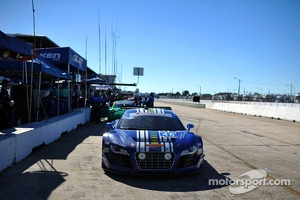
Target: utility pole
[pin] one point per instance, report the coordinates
(291, 88)
(199, 93)
(99, 32)
(239, 85)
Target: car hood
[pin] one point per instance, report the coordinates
(147, 140)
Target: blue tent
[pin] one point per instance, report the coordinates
(48, 68)
(68, 60)
(10, 68)
(95, 78)
(15, 45)
(62, 57)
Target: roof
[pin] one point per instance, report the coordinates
(41, 41)
(149, 111)
(10, 43)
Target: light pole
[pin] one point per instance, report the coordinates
(261, 92)
(291, 88)
(199, 92)
(181, 92)
(239, 85)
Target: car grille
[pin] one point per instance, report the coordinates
(121, 159)
(155, 160)
(187, 160)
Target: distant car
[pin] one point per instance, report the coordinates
(151, 141)
(118, 108)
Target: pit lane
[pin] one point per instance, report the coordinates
(69, 168)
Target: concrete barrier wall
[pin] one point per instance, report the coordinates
(7, 151)
(18, 142)
(285, 111)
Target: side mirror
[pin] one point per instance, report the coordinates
(110, 125)
(189, 126)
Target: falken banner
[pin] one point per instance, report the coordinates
(63, 56)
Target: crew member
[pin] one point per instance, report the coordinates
(95, 101)
(150, 102)
(6, 106)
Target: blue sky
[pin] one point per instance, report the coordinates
(181, 44)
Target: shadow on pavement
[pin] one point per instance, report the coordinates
(186, 183)
(18, 183)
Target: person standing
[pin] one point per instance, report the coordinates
(150, 102)
(6, 106)
(103, 106)
(48, 104)
(95, 101)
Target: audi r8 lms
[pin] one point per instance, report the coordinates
(151, 141)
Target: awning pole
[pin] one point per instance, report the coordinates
(85, 95)
(57, 96)
(69, 105)
(31, 89)
(38, 98)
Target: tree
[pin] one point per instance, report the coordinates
(177, 94)
(185, 93)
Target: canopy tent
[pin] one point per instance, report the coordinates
(95, 78)
(64, 57)
(53, 70)
(101, 87)
(12, 47)
(70, 61)
(17, 68)
(39, 68)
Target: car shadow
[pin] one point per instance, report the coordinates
(193, 182)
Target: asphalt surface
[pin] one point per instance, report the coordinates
(70, 168)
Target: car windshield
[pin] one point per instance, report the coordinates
(123, 104)
(151, 122)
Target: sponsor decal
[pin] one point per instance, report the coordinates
(154, 145)
(155, 148)
(78, 59)
(153, 138)
(169, 134)
(152, 141)
(52, 56)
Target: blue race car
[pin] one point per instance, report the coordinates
(151, 141)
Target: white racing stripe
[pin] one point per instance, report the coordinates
(143, 142)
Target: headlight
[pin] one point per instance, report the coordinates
(142, 156)
(189, 151)
(118, 150)
(168, 156)
(200, 151)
